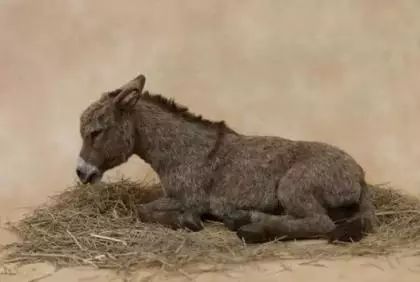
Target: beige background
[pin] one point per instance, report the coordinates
(343, 72)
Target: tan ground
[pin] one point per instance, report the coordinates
(345, 72)
(361, 270)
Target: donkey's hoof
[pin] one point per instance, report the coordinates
(253, 234)
(348, 231)
(237, 219)
(142, 212)
(191, 221)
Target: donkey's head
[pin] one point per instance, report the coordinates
(108, 131)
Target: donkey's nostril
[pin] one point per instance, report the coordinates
(80, 174)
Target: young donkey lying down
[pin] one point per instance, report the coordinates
(263, 188)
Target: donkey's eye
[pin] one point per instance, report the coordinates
(95, 134)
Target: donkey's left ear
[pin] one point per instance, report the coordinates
(130, 93)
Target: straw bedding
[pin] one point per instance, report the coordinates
(96, 225)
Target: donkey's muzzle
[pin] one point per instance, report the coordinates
(87, 173)
(86, 177)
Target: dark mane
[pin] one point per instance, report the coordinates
(173, 107)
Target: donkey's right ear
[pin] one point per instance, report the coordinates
(111, 94)
(130, 92)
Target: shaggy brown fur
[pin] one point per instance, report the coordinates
(262, 187)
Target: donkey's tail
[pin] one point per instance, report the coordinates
(367, 209)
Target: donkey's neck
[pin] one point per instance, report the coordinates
(166, 139)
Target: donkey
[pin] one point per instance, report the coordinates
(263, 188)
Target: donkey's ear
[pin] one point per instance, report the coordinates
(129, 94)
(110, 95)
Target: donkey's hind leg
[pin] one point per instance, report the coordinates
(299, 193)
(266, 227)
(304, 217)
(170, 213)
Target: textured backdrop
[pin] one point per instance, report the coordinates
(343, 72)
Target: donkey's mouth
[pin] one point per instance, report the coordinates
(93, 178)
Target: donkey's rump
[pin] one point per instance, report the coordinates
(314, 183)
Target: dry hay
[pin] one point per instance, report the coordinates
(96, 225)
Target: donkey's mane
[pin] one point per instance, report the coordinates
(170, 105)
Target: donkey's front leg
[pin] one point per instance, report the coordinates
(236, 219)
(170, 213)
